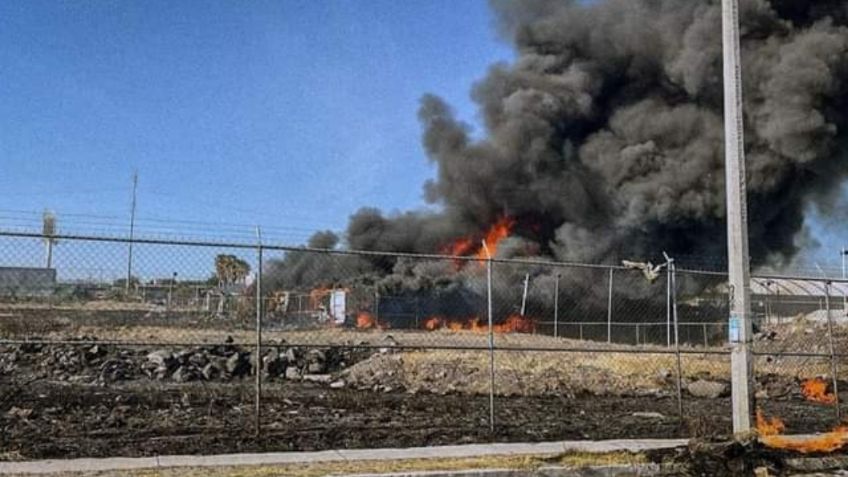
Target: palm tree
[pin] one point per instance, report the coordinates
(230, 269)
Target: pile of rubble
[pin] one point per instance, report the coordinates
(103, 363)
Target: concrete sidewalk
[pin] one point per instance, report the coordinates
(473, 450)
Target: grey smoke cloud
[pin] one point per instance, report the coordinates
(604, 137)
(604, 140)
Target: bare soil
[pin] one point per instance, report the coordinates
(79, 420)
(74, 420)
(56, 404)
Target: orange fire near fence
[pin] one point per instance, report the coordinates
(367, 321)
(473, 245)
(816, 390)
(770, 430)
(513, 324)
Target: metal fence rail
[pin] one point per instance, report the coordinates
(264, 317)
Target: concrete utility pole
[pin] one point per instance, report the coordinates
(737, 224)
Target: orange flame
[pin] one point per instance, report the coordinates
(516, 324)
(496, 233)
(816, 390)
(513, 324)
(459, 247)
(316, 295)
(770, 429)
(465, 246)
(476, 325)
(367, 321)
(433, 323)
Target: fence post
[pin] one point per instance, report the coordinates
(491, 341)
(609, 308)
(376, 308)
(706, 341)
(524, 294)
(417, 313)
(556, 306)
(767, 302)
(170, 295)
(673, 301)
(842, 254)
(668, 305)
(833, 364)
(132, 233)
(258, 360)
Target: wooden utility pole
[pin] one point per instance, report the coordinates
(737, 224)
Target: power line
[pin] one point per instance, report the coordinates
(118, 221)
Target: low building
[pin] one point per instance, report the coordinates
(23, 281)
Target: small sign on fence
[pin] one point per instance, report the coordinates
(735, 329)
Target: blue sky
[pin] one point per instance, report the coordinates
(288, 114)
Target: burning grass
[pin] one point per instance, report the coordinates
(515, 323)
(770, 430)
(815, 390)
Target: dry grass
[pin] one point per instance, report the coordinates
(542, 372)
(333, 336)
(545, 372)
(579, 459)
(89, 305)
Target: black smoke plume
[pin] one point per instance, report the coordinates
(604, 137)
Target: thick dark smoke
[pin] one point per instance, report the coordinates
(604, 138)
(604, 141)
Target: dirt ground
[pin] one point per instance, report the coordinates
(76, 420)
(73, 420)
(55, 402)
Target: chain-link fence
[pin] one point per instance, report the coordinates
(108, 346)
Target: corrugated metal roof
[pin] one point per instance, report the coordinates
(787, 287)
